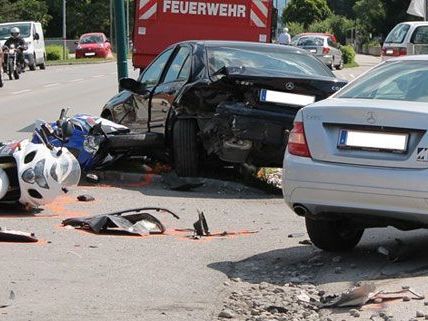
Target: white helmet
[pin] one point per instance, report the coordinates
(4, 183)
(15, 32)
(285, 29)
(43, 173)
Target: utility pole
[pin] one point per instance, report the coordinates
(64, 29)
(127, 25)
(426, 10)
(121, 45)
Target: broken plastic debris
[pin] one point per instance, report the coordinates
(364, 294)
(16, 236)
(201, 225)
(92, 178)
(356, 296)
(135, 221)
(85, 198)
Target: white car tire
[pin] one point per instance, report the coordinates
(333, 236)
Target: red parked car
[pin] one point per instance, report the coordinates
(92, 45)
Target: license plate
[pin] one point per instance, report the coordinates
(356, 139)
(313, 50)
(279, 97)
(88, 54)
(389, 52)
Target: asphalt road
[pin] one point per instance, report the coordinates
(72, 275)
(41, 95)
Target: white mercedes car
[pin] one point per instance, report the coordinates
(360, 158)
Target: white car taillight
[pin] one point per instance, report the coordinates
(297, 141)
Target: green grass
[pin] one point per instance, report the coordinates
(351, 65)
(83, 61)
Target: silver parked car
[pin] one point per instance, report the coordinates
(360, 158)
(323, 48)
(407, 38)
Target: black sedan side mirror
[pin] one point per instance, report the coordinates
(36, 36)
(132, 85)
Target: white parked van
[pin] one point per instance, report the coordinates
(407, 38)
(32, 33)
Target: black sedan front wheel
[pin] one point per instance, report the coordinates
(185, 147)
(333, 236)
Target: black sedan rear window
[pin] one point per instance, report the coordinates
(398, 80)
(272, 59)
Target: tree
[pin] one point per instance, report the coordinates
(371, 16)
(8, 11)
(306, 12)
(343, 7)
(36, 10)
(294, 28)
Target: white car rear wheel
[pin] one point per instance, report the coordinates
(333, 236)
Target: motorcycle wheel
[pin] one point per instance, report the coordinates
(16, 74)
(9, 71)
(1, 78)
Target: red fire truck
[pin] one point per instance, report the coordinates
(160, 23)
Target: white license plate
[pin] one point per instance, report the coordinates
(313, 50)
(279, 97)
(392, 142)
(89, 54)
(389, 52)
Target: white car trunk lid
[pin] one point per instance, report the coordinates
(368, 132)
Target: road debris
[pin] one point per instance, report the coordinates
(295, 235)
(85, 198)
(92, 178)
(16, 236)
(134, 221)
(354, 297)
(365, 294)
(201, 225)
(398, 252)
(177, 183)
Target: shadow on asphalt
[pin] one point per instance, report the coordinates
(309, 264)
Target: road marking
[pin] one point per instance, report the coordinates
(352, 75)
(98, 76)
(76, 80)
(50, 85)
(21, 91)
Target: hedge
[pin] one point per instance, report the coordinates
(55, 52)
(348, 54)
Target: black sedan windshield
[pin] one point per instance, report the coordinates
(398, 80)
(266, 58)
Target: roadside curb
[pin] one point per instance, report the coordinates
(67, 63)
(127, 178)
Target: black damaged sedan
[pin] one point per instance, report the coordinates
(233, 101)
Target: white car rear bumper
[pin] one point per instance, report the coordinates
(324, 187)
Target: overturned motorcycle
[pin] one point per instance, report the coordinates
(95, 142)
(35, 174)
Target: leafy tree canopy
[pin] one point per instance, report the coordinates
(306, 12)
